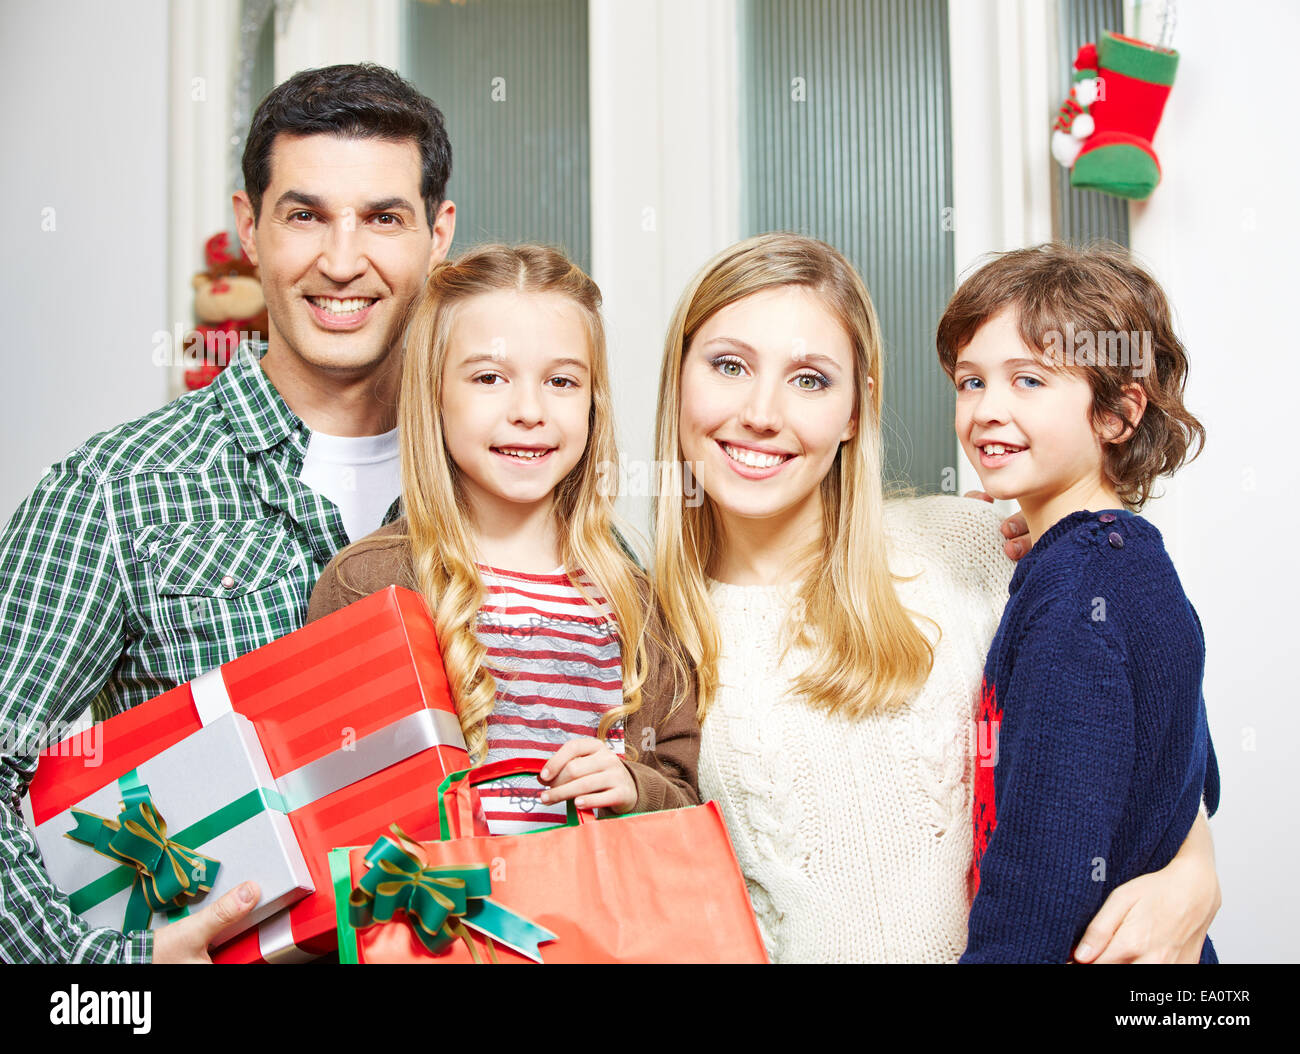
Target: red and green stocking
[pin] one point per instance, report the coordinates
(1134, 79)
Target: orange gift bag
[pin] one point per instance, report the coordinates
(649, 887)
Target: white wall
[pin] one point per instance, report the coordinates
(1220, 233)
(85, 128)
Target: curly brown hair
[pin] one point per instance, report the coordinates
(1097, 297)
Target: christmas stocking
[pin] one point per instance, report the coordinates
(1074, 123)
(1133, 83)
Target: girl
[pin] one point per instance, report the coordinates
(505, 422)
(838, 640)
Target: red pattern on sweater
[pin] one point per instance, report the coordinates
(985, 813)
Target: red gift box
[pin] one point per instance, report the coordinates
(362, 684)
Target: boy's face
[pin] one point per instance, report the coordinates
(1027, 429)
(343, 246)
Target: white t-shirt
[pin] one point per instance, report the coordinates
(362, 475)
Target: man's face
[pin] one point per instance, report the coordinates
(343, 246)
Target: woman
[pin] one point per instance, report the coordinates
(839, 639)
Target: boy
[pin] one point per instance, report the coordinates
(1069, 400)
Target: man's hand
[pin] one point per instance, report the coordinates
(587, 767)
(187, 939)
(1014, 528)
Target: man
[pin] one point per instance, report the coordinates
(177, 542)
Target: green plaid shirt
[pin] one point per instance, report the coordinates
(151, 554)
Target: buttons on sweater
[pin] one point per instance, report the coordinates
(1116, 540)
(1107, 517)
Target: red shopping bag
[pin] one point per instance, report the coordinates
(651, 887)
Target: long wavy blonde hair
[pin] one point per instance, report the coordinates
(870, 653)
(440, 524)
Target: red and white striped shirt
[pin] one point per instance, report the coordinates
(558, 667)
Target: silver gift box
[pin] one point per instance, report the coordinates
(187, 782)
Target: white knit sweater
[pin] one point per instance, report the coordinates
(855, 836)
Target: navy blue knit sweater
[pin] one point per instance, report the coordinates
(1103, 750)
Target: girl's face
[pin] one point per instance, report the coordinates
(767, 398)
(516, 398)
(1026, 429)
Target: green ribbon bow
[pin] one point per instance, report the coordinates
(439, 901)
(166, 872)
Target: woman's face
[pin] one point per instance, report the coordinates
(767, 398)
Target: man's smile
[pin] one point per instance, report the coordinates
(347, 306)
(341, 312)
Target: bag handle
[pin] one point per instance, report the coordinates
(460, 811)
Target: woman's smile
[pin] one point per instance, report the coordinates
(753, 462)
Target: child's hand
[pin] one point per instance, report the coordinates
(1014, 528)
(588, 771)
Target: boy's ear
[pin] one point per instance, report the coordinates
(1135, 401)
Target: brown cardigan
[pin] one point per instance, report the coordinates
(665, 777)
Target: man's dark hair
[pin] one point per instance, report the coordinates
(355, 102)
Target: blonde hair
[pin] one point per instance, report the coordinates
(433, 491)
(871, 655)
